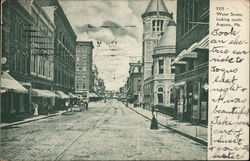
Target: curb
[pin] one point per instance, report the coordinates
(201, 141)
(26, 121)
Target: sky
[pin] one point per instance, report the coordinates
(89, 19)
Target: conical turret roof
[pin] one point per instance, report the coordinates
(169, 37)
(156, 5)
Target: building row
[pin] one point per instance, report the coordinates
(39, 61)
(174, 68)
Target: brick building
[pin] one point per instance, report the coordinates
(83, 66)
(191, 74)
(16, 51)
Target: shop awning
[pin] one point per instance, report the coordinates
(42, 93)
(93, 95)
(203, 44)
(9, 84)
(190, 55)
(3, 90)
(180, 83)
(191, 52)
(71, 95)
(177, 59)
(62, 95)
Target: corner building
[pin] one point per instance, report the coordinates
(163, 72)
(155, 21)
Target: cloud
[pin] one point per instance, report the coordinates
(87, 17)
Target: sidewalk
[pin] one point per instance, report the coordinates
(39, 117)
(194, 132)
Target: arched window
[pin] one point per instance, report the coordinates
(160, 95)
(160, 89)
(136, 70)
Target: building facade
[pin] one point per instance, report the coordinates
(42, 48)
(134, 82)
(155, 20)
(101, 87)
(16, 51)
(83, 66)
(191, 74)
(163, 72)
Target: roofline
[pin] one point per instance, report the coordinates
(85, 42)
(155, 13)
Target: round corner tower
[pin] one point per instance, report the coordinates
(155, 21)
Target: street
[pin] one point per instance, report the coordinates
(106, 131)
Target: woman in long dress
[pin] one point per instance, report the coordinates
(36, 109)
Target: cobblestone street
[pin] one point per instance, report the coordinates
(107, 131)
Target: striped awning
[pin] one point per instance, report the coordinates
(9, 84)
(204, 43)
(62, 95)
(192, 53)
(177, 59)
(42, 93)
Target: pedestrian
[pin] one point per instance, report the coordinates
(154, 123)
(66, 105)
(35, 109)
(49, 109)
(86, 105)
(153, 109)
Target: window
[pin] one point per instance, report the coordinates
(157, 25)
(160, 95)
(83, 86)
(50, 68)
(172, 69)
(85, 49)
(136, 70)
(78, 48)
(160, 89)
(171, 92)
(191, 64)
(161, 66)
(152, 69)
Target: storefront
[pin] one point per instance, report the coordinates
(191, 83)
(60, 102)
(44, 99)
(12, 97)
